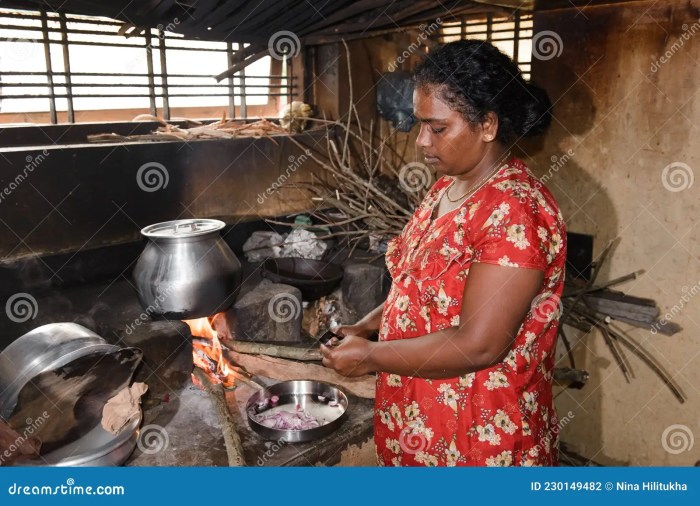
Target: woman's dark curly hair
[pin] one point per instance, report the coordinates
(474, 78)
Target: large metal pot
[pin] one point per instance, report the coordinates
(186, 270)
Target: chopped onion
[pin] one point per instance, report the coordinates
(287, 420)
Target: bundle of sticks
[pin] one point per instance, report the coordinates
(365, 177)
(594, 307)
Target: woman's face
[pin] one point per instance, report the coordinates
(450, 145)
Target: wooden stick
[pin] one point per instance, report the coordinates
(234, 447)
(272, 350)
(285, 370)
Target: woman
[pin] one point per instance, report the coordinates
(468, 331)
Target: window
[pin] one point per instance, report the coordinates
(511, 34)
(53, 63)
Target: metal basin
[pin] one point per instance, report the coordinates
(312, 397)
(96, 448)
(43, 349)
(48, 348)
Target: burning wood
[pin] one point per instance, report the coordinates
(207, 352)
(209, 357)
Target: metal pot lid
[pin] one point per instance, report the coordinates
(183, 228)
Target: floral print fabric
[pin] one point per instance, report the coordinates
(502, 415)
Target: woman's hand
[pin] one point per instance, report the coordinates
(349, 356)
(353, 330)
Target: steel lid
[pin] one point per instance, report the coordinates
(182, 228)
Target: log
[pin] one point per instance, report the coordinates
(619, 305)
(286, 370)
(272, 350)
(234, 447)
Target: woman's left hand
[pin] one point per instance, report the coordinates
(348, 356)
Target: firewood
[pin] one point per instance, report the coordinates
(272, 350)
(234, 447)
(285, 370)
(618, 304)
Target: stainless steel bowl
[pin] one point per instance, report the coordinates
(43, 349)
(313, 397)
(47, 348)
(96, 448)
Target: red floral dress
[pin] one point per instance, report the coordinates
(502, 415)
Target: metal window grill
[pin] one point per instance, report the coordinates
(51, 59)
(512, 34)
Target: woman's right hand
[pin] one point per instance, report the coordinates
(353, 330)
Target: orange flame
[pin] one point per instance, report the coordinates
(208, 353)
